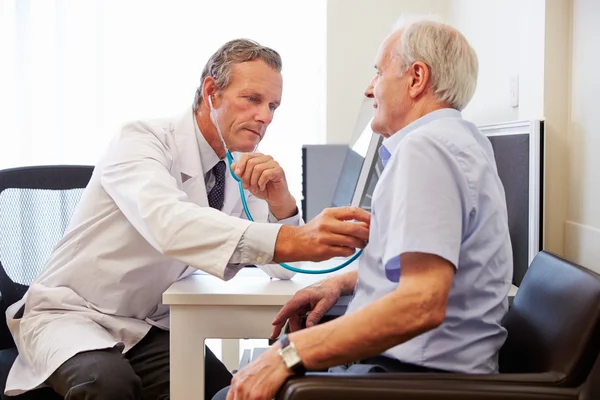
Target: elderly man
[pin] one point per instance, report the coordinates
(432, 284)
(160, 205)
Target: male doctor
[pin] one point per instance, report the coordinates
(161, 204)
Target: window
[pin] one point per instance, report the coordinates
(73, 72)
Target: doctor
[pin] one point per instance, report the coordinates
(160, 205)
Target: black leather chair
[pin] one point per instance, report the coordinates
(553, 341)
(404, 388)
(36, 204)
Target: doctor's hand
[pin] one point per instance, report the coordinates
(261, 379)
(317, 298)
(265, 179)
(335, 232)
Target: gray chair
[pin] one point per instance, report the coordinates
(36, 204)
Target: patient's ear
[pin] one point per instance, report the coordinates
(419, 79)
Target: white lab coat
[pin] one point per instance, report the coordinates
(143, 219)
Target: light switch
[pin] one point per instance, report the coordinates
(514, 91)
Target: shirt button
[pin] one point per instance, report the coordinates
(259, 260)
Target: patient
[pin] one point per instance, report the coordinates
(432, 284)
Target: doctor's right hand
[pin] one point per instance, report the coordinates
(335, 232)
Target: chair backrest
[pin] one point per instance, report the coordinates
(554, 321)
(36, 204)
(591, 389)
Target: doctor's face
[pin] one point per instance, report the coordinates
(246, 107)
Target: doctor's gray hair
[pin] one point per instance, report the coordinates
(452, 62)
(234, 52)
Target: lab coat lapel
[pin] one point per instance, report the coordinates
(188, 156)
(195, 188)
(232, 205)
(191, 168)
(188, 153)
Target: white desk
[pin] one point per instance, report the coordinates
(203, 306)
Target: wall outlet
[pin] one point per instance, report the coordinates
(513, 88)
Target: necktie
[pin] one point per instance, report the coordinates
(217, 193)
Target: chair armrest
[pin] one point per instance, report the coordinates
(538, 379)
(546, 379)
(405, 387)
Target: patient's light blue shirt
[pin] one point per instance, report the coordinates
(440, 193)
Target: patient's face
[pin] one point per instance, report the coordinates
(389, 90)
(246, 107)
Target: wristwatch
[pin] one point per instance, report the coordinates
(290, 356)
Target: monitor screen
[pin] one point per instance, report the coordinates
(351, 169)
(518, 151)
(346, 184)
(369, 174)
(361, 146)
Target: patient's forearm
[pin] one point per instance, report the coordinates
(393, 319)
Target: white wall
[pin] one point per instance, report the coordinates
(583, 225)
(492, 28)
(532, 35)
(508, 37)
(355, 29)
(529, 40)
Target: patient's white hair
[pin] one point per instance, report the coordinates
(452, 62)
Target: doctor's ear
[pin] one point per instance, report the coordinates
(209, 89)
(213, 101)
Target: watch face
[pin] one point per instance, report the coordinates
(290, 356)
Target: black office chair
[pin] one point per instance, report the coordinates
(36, 204)
(552, 345)
(405, 388)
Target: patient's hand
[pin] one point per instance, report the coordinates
(318, 299)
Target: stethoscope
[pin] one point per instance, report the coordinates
(247, 210)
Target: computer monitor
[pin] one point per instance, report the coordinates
(518, 151)
(351, 169)
(348, 179)
(361, 146)
(370, 172)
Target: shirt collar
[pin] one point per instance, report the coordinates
(208, 157)
(389, 145)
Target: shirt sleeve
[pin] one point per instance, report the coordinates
(257, 246)
(426, 201)
(293, 220)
